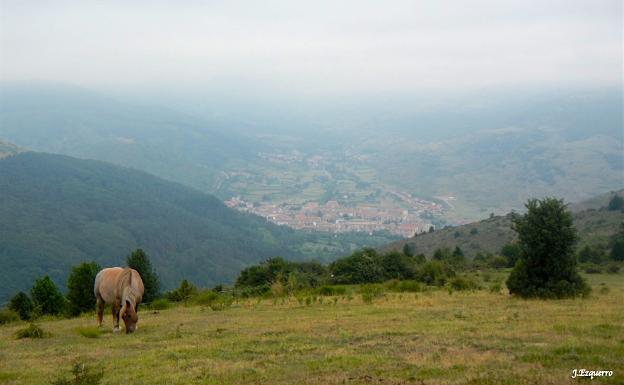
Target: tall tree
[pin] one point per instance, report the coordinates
(140, 262)
(80, 288)
(547, 265)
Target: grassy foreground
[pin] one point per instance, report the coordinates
(424, 338)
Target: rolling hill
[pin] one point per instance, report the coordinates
(594, 224)
(57, 211)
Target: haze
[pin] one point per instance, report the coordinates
(319, 48)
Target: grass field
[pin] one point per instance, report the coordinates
(430, 337)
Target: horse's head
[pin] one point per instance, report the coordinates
(129, 316)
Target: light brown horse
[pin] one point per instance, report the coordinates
(123, 289)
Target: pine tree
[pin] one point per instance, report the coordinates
(46, 297)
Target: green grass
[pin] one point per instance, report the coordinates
(430, 337)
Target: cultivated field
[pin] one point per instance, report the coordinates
(430, 337)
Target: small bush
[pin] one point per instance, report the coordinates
(463, 283)
(8, 315)
(184, 292)
(23, 305)
(89, 332)
(83, 375)
(160, 304)
(613, 269)
(32, 331)
(206, 297)
(370, 292)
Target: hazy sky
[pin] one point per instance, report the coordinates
(316, 46)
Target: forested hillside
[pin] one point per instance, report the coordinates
(57, 211)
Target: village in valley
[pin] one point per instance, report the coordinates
(334, 217)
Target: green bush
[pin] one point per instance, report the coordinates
(462, 283)
(46, 297)
(435, 273)
(206, 297)
(184, 292)
(221, 303)
(8, 316)
(22, 305)
(495, 287)
(160, 304)
(80, 283)
(32, 331)
(371, 291)
(613, 268)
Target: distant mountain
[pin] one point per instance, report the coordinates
(57, 211)
(595, 225)
(84, 124)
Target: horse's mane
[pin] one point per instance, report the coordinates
(126, 289)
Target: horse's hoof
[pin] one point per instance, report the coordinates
(115, 330)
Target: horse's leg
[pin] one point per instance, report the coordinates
(116, 308)
(100, 311)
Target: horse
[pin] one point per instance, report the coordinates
(123, 289)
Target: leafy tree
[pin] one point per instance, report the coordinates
(22, 305)
(457, 258)
(80, 288)
(140, 262)
(363, 266)
(397, 265)
(407, 250)
(547, 266)
(46, 297)
(435, 273)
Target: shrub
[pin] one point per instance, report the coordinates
(222, 302)
(8, 315)
(83, 375)
(370, 291)
(206, 297)
(46, 297)
(32, 331)
(184, 292)
(498, 262)
(547, 266)
(160, 304)
(613, 268)
(435, 273)
(22, 305)
(462, 283)
(363, 266)
(80, 283)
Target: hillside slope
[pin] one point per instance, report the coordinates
(593, 222)
(57, 211)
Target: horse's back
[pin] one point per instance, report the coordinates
(105, 283)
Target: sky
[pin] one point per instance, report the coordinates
(317, 47)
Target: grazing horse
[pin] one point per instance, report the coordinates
(123, 289)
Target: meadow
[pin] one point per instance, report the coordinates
(430, 337)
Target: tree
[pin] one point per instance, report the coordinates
(140, 262)
(46, 297)
(363, 266)
(457, 258)
(511, 251)
(80, 288)
(22, 305)
(407, 250)
(547, 265)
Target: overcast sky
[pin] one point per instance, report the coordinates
(314, 46)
